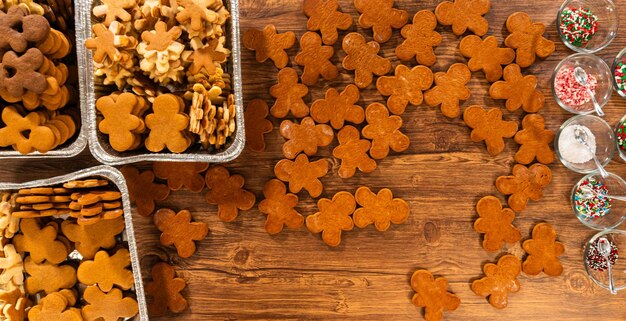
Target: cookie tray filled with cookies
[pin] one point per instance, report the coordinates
(200, 130)
(67, 251)
(41, 95)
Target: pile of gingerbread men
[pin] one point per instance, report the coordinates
(57, 267)
(163, 63)
(33, 80)
(380, 132)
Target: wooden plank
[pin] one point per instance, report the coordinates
(242, 273)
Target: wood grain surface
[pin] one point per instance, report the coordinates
(242, 273)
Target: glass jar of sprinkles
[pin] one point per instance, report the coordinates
(592, 202)
(619, 73)
(620, 137)
(596, 265)
(587, 26)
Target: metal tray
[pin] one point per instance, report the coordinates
(98, 144)
(79, 143)
(116, 178)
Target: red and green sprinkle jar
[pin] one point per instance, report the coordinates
(620, 136)
(596, 261)
(578, 26)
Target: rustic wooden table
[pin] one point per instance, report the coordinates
(242, 273)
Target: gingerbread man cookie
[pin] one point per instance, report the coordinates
(279, 206)
(535, 141)
(269, 44)
(352, 151)
(119, 122)
(257, 124)
(499, 281)
(337, 108)
(302, 174)
(432, 294)
(325, 17)
(18, 28)
(384, 131)
(178, 230)
(333, 217)
(109, 306)
(47, 277)
(485, 55)
(142, 190)
(19, 74)
(488, 126)
(289, 93)
(315, 58)
(227, 192)
(107, 271)
(405, 87)
(450, 88)
(518, 90)
(381, 16)
(165, 291)
(55, 306)
(525, 183)
(167, 125)
(496, 223)
(527, 39)
(543, 252)
(420, 38)
(88, 239)
(41, 243)
(464, 15)
(379, 209)
(305, 137)
(179, 175)
(363, 58)
(11, 265)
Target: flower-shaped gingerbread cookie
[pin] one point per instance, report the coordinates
(535, 141)
(337, 108)
(499, 281)
(257, 124)
(381, 16)
(167, 125)
(160, 51)
(450, 88)
(279, 205)
(432, 294)
(485, 55)
(315, 58)
(405, 87)
(165, 291)
(496, 223)
(379, 209)
(18, 28)
(227, 192)
(178, 230)
(106, 271)
(325, 17)
(333, 217)
(352, 151)
(41, 243)
(304, 137)
(527, 39)
(289, 93)
(525, 183)
(195, 14)
(179, 175)
(518, 90)
(363, 58)
(300, 173)
(106, 42)
(269, 44)
(384, 131)
(543, 252)
(488, 126)
(108, 306)
(142, 189)
(464, 15)
(420, 38)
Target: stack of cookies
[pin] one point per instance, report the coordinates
(168, 48)
(33, 80)
(57, 267)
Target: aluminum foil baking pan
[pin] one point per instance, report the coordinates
(114, 176)
(98, 143)
(75, 145)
